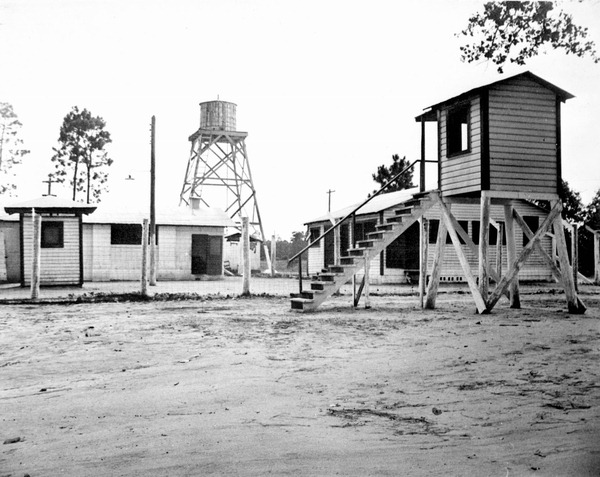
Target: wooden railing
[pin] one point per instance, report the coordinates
(350, 215)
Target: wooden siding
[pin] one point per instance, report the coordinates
(523, 137)
(12, 249)
(104, 262)
(461, 173)
(58, 266)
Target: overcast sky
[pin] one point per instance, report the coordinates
(327, 90)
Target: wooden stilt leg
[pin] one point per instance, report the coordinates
(511, 255)
(499, 241)
(597, 258)
(479, 301)
(423, 259)
(575, 254)
(438, 258)
(366, 281)
(513, 270)
(484, 234)
(565, 268)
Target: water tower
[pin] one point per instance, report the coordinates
(218, 171)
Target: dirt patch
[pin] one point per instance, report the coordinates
(247, 387)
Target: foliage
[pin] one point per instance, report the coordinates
(385, 174)
(592, 212)
(513, 32)
(81, 157)
(573, 210)
(287, 249)
(11, 147)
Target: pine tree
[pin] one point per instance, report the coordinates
(81, 157)
(11, 148)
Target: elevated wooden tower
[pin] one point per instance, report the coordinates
(218, 171)
(497, 144)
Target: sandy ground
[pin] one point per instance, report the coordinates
(247, 387)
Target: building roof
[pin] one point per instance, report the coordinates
(50, 204)
(430, 112)
(209, 217)
(376, 205)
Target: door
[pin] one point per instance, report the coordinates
(329, 249)
(207, 254)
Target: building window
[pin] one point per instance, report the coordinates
(458, 129)
(533, 223)
(361, 229)
(465, 225)
(52, 234)
(126, 234)
(313, 234)
(434, 226)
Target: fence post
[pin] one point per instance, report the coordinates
(597, 258)
(575, 253)
(36, 256)
(273, 254)
(144, 284)
(246, 257)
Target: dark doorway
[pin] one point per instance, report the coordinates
(207, 254)
(329, 249)
(404, 251)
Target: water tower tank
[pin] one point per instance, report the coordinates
(217, 115)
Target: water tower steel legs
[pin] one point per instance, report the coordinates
(218, 159)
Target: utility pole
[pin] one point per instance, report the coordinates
(329, 192)
(152, 205)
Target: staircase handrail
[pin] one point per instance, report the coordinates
(350, 214)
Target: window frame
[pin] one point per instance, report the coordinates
(54, 224)
(454, 133)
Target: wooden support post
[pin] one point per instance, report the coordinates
(436, 270)
(484, 236)
(511, 256)
(423, 251)
(515, 267)
(36, 255)
(367, 279)
(597, 258)
(273, 254)
(499, 254)
(565, 268)
(144, 278)
(549, 261)
(246, 256)
(479, 301)
(575, 253)
(336, 245)
(152, 231)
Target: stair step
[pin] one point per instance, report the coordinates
(404, 211)
(347, 261)
(365, 243)
(336, 269)
(326, 277)
(377, 235)
(320, 286)
(384, 227)
(302, 304)
(356, 252)
(395, 220)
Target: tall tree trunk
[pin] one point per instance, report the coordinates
(75, 179)
(89, 170)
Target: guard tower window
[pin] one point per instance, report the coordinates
(459, 129)
(52, 235)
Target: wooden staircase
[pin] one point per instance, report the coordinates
(331, 280)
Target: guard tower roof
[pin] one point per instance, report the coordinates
(429, 113)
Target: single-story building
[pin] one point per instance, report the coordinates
(189, 244)
(61, 240)
(232, 253)
(400, 261)
(107, 245)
